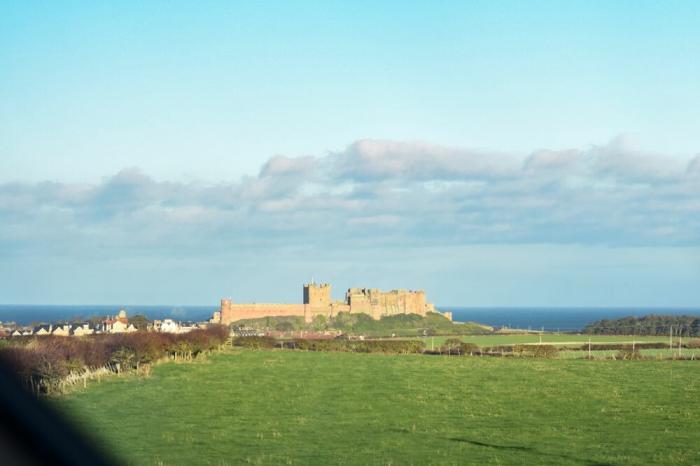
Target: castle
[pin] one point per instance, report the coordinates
(317, 301)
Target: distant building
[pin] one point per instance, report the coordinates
(80, 330)
(8, 327)
(61, 330)
(188, 326)
(118, 324)
(172, 326)
(169, 326)
(43, 330)
(317, 302)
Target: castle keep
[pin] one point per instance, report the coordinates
(317, 301)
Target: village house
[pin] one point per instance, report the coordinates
(114, 326)
(172, 326)
(43, 330)
(169, 326)
(81, 329)
(8, 327)
(61, 330)
(111, 324)
(118, 324)
(188, 326)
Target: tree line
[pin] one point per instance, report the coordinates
(654, 325)
(451, 346)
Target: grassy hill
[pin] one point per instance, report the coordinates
(294, 407)
(362, 324)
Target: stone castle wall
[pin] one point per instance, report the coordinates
(231, 312)
(317, 301)
(379, 303)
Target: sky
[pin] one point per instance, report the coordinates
(492, 153)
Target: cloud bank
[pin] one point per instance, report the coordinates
(374, 193)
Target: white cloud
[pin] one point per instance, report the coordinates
(566, 160)
(694, 165)
(281, 165)
(370, 159)
(382, 193)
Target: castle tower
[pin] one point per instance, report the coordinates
(317, 296)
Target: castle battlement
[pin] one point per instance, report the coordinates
(316, 300)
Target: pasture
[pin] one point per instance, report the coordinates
(294, 407)
(567, 342)
(558, 339)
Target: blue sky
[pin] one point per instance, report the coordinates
(493, 153)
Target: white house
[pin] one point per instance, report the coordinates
(119, 324)
(61, 330)
(81, 329)
(169, 326)
(43, 330)
(188, 327)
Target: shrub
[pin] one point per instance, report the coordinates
(499, 349)
(469, 348)
(537, 351)
(284, 326)
(366, 346)
(255, 342)
(545, 351)
(452, 345)
(123, 359)
(40, 372)
(621, 346)
(629, 354)
(693, 344)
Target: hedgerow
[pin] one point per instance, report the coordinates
(629, 354)
(255, 342)
(536, 351)
(43, 362)
(355, 346)
(619, 346)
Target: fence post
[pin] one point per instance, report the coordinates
(589, 348)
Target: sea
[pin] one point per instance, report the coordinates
(554, 319)
(564, 319)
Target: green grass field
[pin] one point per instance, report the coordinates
(647, 353)
(287, 407)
